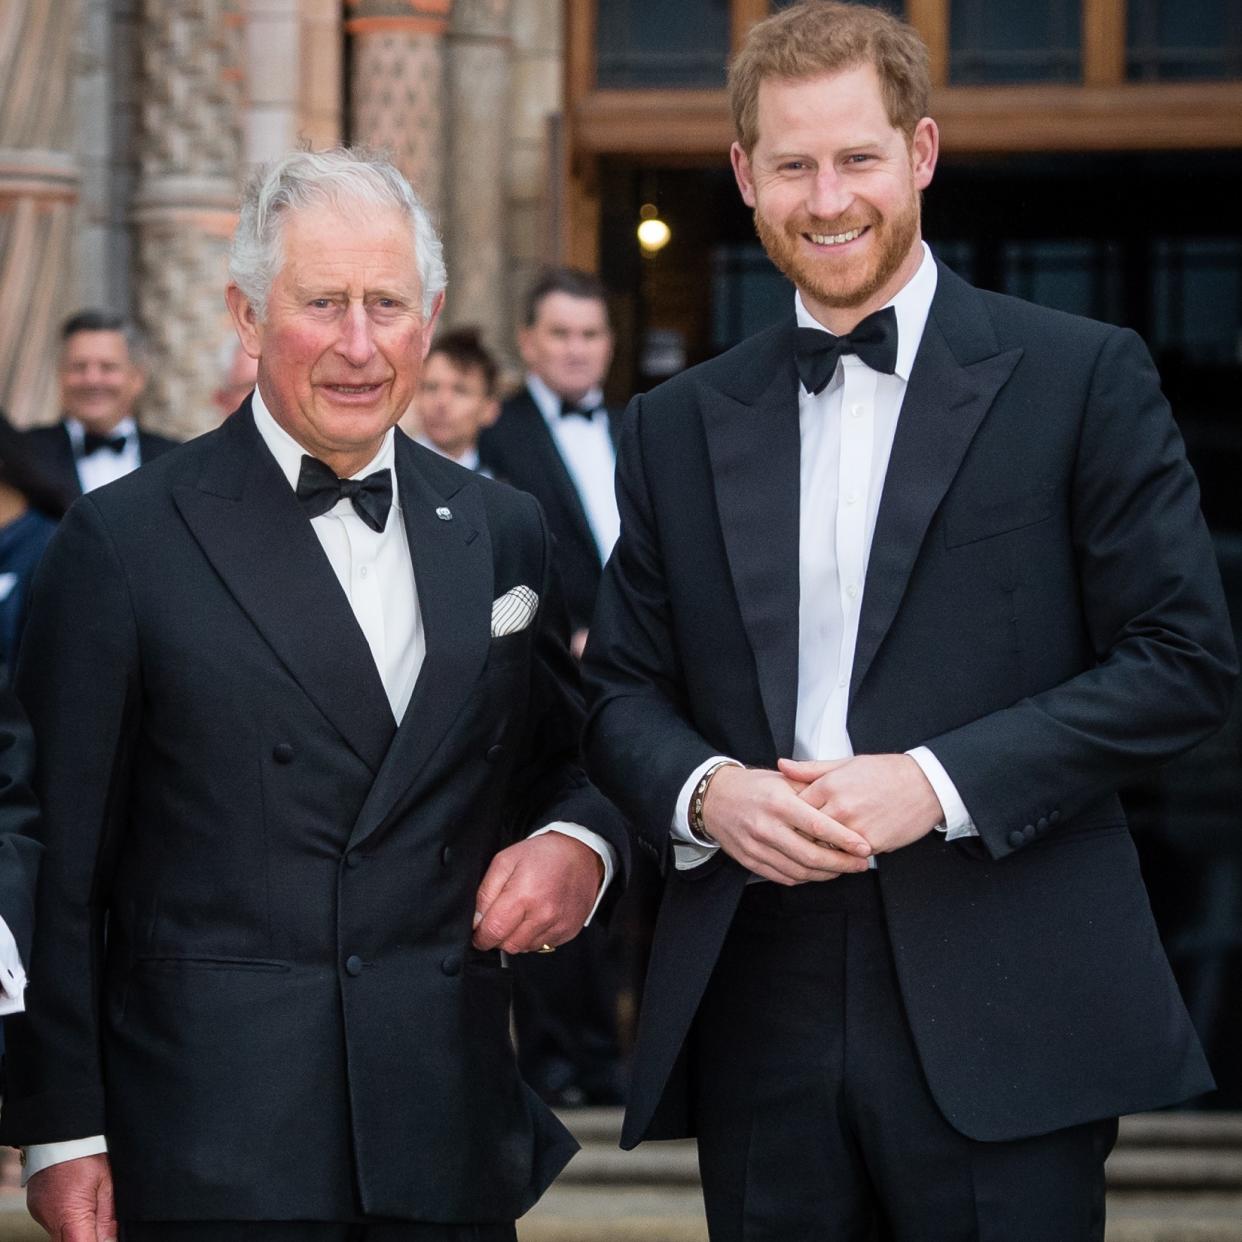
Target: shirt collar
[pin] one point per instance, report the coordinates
(288, 452)
(549, 402)
(77, 432)
(912, 302)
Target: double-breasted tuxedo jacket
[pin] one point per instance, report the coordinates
(53, 450)
(520, 449)
(254, 971)
(1041, 608)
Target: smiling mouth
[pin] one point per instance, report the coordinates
(835, 239)
(353, 390)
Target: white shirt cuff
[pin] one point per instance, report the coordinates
(688, 851)
(12, 976)
(607, 855)
(40, 1156)
(956, 822)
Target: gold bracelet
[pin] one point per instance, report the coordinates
(698, 828)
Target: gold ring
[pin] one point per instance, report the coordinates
(546, 948)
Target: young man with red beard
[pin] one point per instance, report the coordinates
(907, 587)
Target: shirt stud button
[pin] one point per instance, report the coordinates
(353, 965)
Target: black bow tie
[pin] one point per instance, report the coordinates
(874, 340)
(570, 409)
(92, 442)
(319, 489)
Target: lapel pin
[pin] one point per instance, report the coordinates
(445, 515)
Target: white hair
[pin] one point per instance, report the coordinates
(345, 176)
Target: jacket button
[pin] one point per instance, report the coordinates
(451, 965)
(353, 965)
(1056, 815)
(494, 753)
(1016, 838)
(282, 753)
(353, 858)
(446, 856)
(1041, 823)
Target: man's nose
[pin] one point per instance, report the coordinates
(829, 196)
(356, 345)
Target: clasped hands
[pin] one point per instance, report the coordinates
(815, 820)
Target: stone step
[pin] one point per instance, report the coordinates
(1174, 1177)
(1172, 1152)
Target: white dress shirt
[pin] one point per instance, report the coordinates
(847, 433)
(376, 573)
(103, 465)
(585, 445)
(12, 976)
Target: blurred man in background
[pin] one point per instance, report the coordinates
(556, 439)
(456, 397)
(238, 372)
(101, 379)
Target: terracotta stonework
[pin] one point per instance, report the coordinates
(38, 190)
(185, 208)
(126, 127)
(397, 81)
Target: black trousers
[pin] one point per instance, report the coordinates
(565, 1020)
(310, 1231)
(814, 1119)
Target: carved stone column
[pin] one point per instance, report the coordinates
(38, 188)
(475, 224)
(293, 76)
(533, 163)
(397, 86)
(186, 205)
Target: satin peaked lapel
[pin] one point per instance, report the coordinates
(453, 577)
(945, 402)
(245, 517)
(755, 446)
(541, 444)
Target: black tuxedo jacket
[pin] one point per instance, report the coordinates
(1041, 608)
(520, 449)
(285, 1018)
(20, 851)
(53, 450)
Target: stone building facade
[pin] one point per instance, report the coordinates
(127, 128)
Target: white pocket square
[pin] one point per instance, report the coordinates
(513, 611)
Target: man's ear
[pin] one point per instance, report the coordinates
(924, 151)
(429, 328)
(490, 414)
(742, 173)
(245, 320)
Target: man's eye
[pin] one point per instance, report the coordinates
(321, 303)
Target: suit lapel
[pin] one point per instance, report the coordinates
(65, 463)
(754, 443)
(549, 463)
(251, 528)
(956, 376)
(452, 561)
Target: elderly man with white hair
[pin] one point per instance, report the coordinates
(307, 729)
